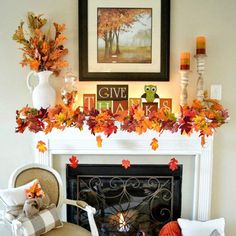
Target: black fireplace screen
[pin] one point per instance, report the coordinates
(137, 201)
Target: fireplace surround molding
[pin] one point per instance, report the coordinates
(72, 141)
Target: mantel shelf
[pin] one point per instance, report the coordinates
(122, 142)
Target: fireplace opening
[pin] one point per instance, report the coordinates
(136, 201)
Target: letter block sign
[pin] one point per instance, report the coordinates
(135, 101)
(120, 106)
(104, 105)
(89, 101)
(166, 103)
(112, 92)
(148, 107)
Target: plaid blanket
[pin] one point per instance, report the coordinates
(40, 223)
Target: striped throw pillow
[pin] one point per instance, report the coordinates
(41, 223)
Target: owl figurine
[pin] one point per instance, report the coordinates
(150, 93)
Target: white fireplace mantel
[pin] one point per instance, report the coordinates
(72, 141)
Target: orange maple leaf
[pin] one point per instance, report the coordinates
(215, 104)
(162, 115)
(99, 141)
(34, 191)
(34, 65)
(139, 114)
(121, 115)
(207, 130)
(60, 39)
(41, 146)
(197, 104)
(126, 164)
(203, 140)
(143, 126)
(154, 144)
(45, 48)
(156, 126)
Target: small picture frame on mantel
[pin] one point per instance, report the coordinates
(124, 40)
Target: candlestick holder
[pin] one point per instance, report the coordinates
(200, 59)
(184, 85)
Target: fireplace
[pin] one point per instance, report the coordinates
(197, 161)
(136, 201)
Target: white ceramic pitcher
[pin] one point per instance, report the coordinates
(43, 95)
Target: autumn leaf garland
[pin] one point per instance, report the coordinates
(202, 117)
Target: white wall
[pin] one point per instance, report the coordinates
(214, 18)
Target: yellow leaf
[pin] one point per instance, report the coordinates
(41, 146)
(154, 144)
(99, 141)
(60, 118)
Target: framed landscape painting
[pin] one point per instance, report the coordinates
(124, 40)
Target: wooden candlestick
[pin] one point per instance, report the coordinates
(200, 58)
(184, 85)
(184, 72)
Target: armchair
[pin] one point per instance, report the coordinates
(51, 183)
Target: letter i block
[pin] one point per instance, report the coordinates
(148, 107)
(104, 105)
(120, 106)
(89, 101)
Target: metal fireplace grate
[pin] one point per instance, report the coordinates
(137, 201)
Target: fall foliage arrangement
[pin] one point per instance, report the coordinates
(202, 117)
(41, 51)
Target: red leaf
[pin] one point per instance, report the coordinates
(73, 161)
(126, 164)
(173, 164)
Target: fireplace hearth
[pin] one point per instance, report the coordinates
(136, 201)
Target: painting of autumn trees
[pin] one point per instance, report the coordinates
(124, 35)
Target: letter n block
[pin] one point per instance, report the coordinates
(134, 101)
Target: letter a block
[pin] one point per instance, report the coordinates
(120, 106)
